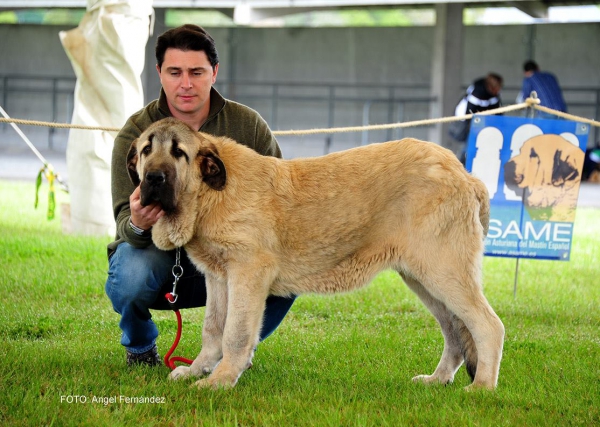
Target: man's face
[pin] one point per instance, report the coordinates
(186, 77)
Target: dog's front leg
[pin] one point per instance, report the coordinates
(246, 304)
(212, 331)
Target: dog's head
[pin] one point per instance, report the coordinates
(170, 158)
(546, 167)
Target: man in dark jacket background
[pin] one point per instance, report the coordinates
(482, 95)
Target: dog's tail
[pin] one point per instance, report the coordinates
(483, 197)
(467, 345)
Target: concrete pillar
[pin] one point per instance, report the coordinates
(446, 73)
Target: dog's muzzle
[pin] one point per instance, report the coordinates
(156, 188)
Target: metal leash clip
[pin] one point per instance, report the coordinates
(177, 271)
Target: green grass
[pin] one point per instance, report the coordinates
(335, 361)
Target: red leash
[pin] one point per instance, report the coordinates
(172, 298)
(170, 361)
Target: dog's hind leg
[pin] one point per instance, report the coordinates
(483, 339)
(452, 357)
(487, 332)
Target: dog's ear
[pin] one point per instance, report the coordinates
(212, 170)
(132, 159)
(563, 170)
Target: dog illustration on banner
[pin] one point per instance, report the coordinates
(547, 172)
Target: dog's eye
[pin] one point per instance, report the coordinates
(178, 152)
(533, 153)
(147, 149)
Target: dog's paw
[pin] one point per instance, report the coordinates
(215, 384)
(180, 372)
(432, 379)
(476, 386)
(202, 368)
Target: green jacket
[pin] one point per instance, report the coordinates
(225, 118)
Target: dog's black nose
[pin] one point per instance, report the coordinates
(155, 178)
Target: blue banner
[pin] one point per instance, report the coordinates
(532, 170)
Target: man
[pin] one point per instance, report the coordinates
(139, 274)
(482, 95)
(546, 87)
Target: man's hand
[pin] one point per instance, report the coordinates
(144, 217)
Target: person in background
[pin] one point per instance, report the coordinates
(545, 85)
(139, 274)
(482, 95)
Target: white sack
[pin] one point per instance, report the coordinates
(107, 51)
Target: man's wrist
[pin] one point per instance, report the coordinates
(137, 230)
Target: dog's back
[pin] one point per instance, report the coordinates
(330, 224)
(333, 222)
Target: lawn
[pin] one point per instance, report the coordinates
(344, 360)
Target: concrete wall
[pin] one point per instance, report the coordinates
(33, 50)
(353, 56)
(350, 55)
(29, 51)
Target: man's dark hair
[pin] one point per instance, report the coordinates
(530, 66)
(186, 37)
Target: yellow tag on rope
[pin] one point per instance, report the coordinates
(38, 184)
(50, 176)
(48, 172)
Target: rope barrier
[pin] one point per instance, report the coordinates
(425, 122)
(57, 125)
(528, 103)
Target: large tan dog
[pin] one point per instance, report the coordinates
(257, 225)
(547, 172)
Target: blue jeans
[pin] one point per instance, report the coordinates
(138, 280)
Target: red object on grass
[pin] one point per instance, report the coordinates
(170, 361)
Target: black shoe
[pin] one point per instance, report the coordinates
(149, 358)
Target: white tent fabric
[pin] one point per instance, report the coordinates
(107, 51)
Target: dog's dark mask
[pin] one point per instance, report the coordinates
(155, 186)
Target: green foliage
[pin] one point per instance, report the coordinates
(204, 18)
(63, 16)
(335, 360)
(8, 17)
(55, 16)
(362, 18)
(328, 18)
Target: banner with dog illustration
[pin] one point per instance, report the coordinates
(532, 170)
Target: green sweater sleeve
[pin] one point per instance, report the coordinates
(122, 187)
